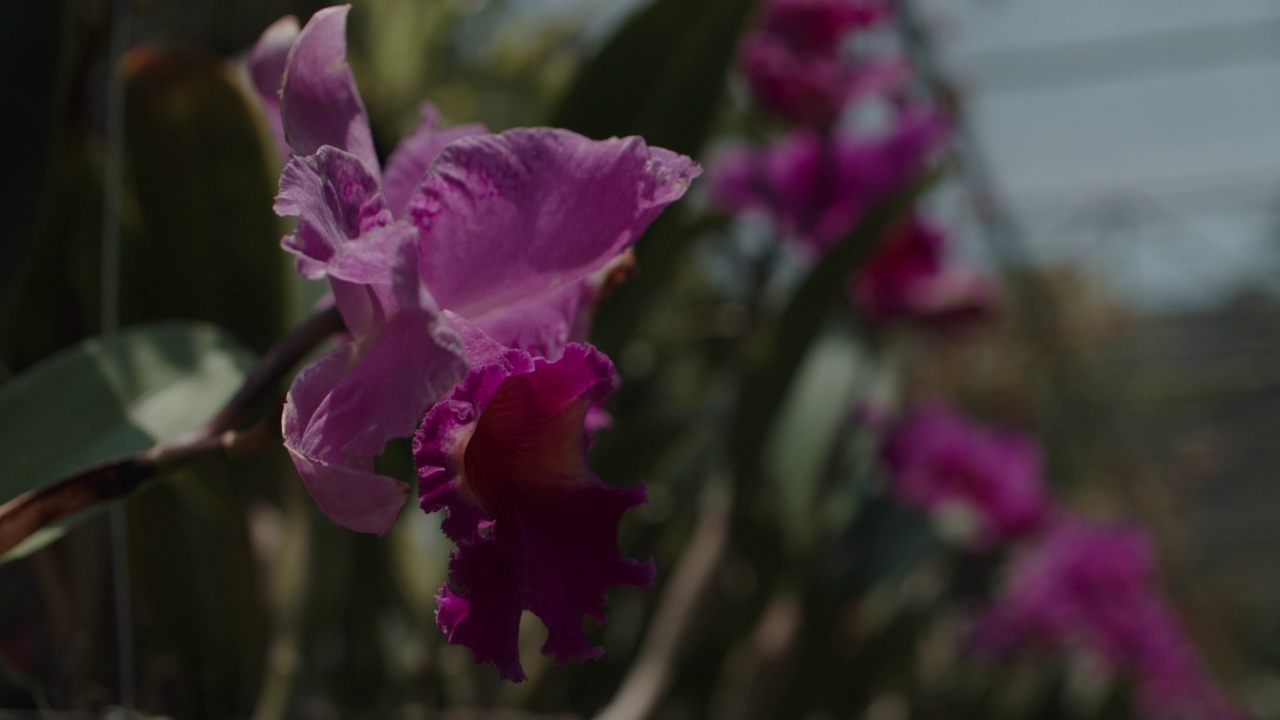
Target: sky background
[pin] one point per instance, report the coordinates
(1142, 139)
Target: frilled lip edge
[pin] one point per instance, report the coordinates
(535, 529)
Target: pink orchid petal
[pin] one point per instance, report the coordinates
(267, 62)
(312, 384)
(335, 200)
(542, 324)
(414, 361)
(357, 499)
(376, 257)
(505, 457)
(937, 457)
(343, 487)
(819, 26)
(817, 188)
(1089, 586)
(320, 104)
(530, 211)
(411, 158)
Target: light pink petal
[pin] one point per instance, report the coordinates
(352, 495)
(414, 360)
(542, 324)
(505, 457)
(377, 257)
(320, 104)
(531, 211)
(344, 488)
(313, 383)
(266, 68)
(411, 158)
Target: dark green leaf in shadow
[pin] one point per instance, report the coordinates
(106, 398)
(660, 76)
(810, 425)
(206, 245)
(777, 352)
(31, 32)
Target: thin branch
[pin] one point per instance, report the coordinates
(116, 478)
(650, 674)
(274, 365)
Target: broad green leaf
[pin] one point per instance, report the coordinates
(204, 244)
(778, 351)
(808, 426)
(660, 76)
(106, 398)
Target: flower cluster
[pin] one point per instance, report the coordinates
(1074, 585)
(818, 182)
(909, 277)
(941, 462)
(1091, 587)
(465, 270)
(798, 67)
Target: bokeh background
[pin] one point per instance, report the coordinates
(1117, 164)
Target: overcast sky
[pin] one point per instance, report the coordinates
(1143, 136)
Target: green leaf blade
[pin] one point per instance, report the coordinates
(107, 398)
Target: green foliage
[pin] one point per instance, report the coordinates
(30, 29)
(660, 76)
(206, 243)
(106, 398)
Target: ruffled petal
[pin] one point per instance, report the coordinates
(505, 456)
(267, 62)
(320, 104)
(531, 211)
(335, 200)
(411, 158)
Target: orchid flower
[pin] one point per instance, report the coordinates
(795, 67)
(909, 278)
(1091, 587)
(514, 229)
(512, 234)
(400, 356)
(816, 188)
(940, 461)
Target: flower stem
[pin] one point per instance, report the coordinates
(118, 477)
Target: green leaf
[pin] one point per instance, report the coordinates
(777, 351)
(107, 398)
(660, 76)
(204, 244)
(808, 427)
